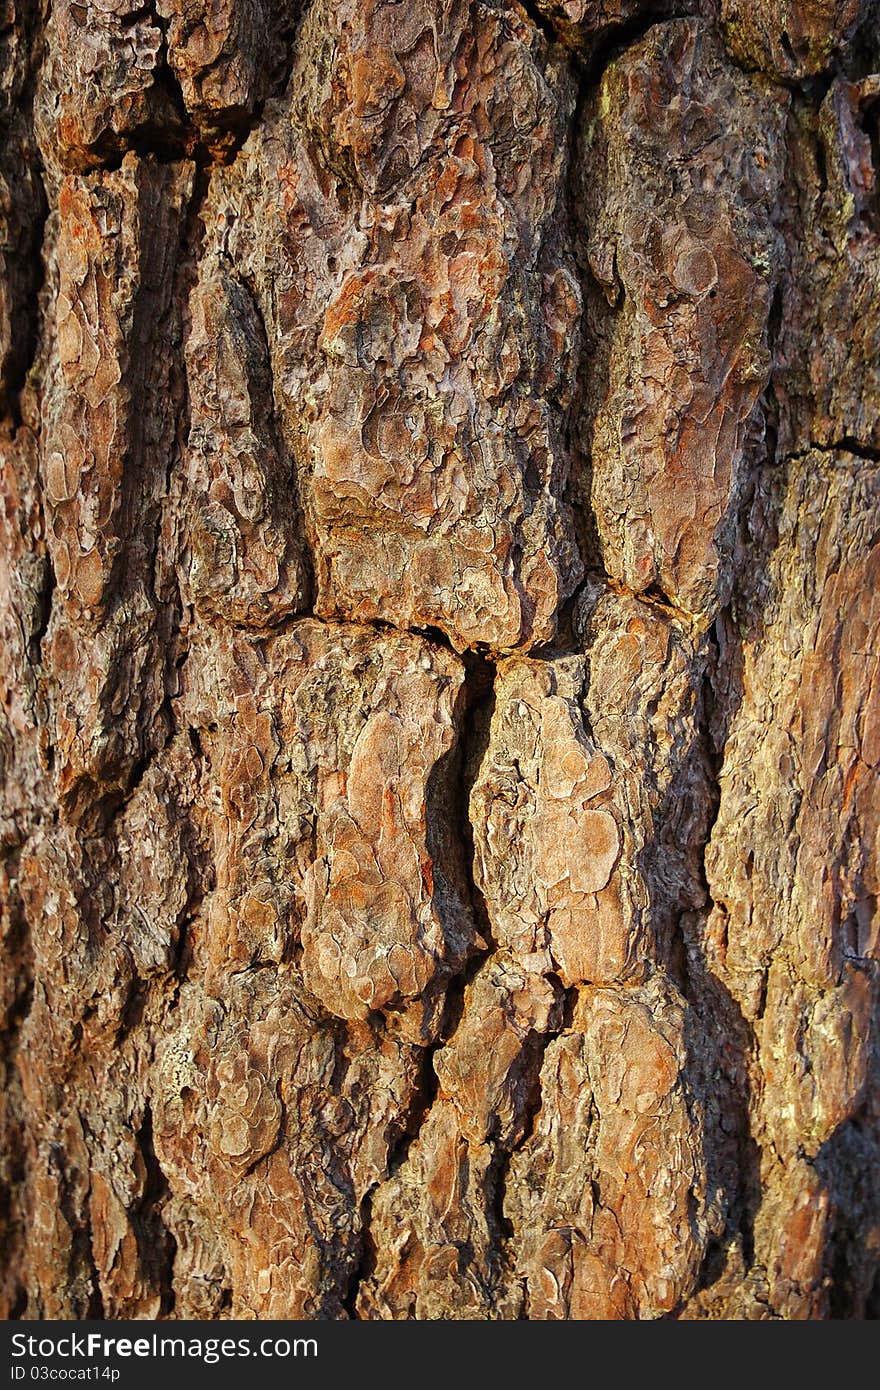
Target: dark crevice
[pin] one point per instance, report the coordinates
(529, 1101)
(168, 606)
(847, 444)
(84, 1280)
(811, 89)
(43, 608)
(616, 39)
(17, 949)
(97, 805)
(200, 883)
(408, 1128)
(450, 833)
(365, 1262)
(166, 80)
(719, 1038)
(241, 123)
(656, 597)
(18, 1308)
(770, 405)
(434, 635)
(31, 180)
(471, 658)
(870, 124)
(480, 695)
(133, 1010)
(275, 432)
(156, 1244)
(477, 701)
(174, 135)
(404, 1135)
(775, 319)
(495, 1189)
(174, 638)
(592, 50)
(846, 1166)
(164, 144)
(133, 17)
(27, 319)
(543, 23)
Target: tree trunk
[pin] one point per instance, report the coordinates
(439, 603)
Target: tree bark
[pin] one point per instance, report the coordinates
(439, 605)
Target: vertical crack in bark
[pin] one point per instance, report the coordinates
(27, 315)
(721, 1040)
(17, 948)
(275, 433)
(156, 1242)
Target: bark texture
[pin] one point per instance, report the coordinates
(440, 659)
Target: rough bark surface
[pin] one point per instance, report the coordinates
(440, 659)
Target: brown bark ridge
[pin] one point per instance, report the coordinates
(440, 622)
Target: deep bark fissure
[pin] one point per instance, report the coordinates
(158, 1245)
